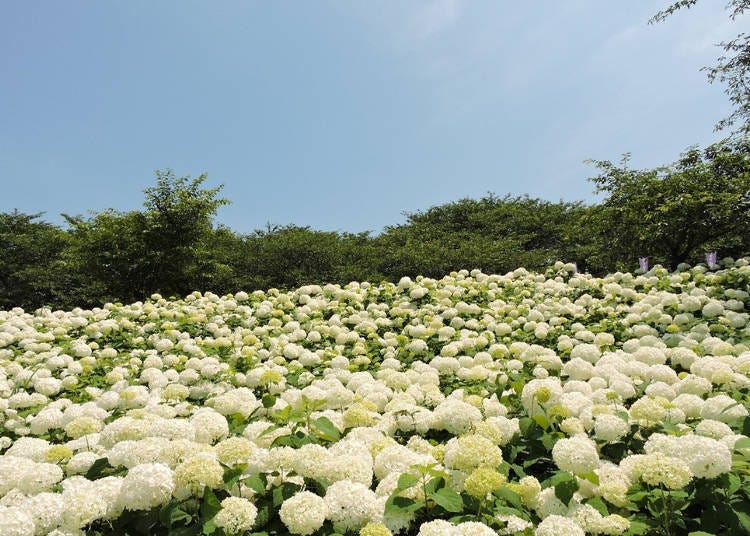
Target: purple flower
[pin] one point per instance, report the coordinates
(711, 259)
(643, 262)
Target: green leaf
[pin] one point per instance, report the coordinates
(743, 443)
(284, 415)
(268, 401)
(283, 492)
(518, 470)
(97, 468)
(638, 495)
(270, 429)
(448, 499)
(565, 486)
(548, 440)
(326, 429)
(319, 485)
(164, 514)
(742, 511)
(457, 520)
(670, 428)
(256, 483)
(518, 386)
(746, 426)
(591, 477)
(541, 420)
(209, 527)
(734, 483)
(265, 513)
(504, 510)
(637, 528)
(623, 415)
(237, 423)
(700, 533)
(231, 477)
(210, 505)
(434, 484)
(598, 505)
(511, 497)
(529, 428)
(397, 506)
(406, 481)
(177, 515)
(145, 521)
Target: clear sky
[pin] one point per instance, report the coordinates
(342, 115)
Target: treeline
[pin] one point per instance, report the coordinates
(671, 214)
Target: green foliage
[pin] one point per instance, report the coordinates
(172, 247)
(676, 213)
(494, 234)
(128, 256)
(32, 272)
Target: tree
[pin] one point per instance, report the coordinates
(495, 234)
(109, 253)
(179, 214)
(732, 68)
(31, 270)
(291, 256)
(127, 256)
(677, 212)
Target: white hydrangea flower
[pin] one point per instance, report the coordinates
(46, 509)
(455, 416)
(577, 455)
(540, 394)
(41, 477)
(146, 486)
(610, 428)
(303, 513)
(473, 528)
(32, 448)
(713, 429)
(210, 426)
(350, 505)
(12, 470)
(556, 525)
(84, 504)
(469, 452)
(236, 516)
(513, 524)
(658, 469)
(15, 522)
(437, 527)
(723, 408)
(81, 462)
(399, 459)
(196, 473)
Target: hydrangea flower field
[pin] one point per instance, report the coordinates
(553, 404)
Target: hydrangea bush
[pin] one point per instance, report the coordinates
(547, 404)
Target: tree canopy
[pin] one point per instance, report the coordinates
(673, 214)
(699, 203)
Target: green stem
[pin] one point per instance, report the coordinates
(666, 512)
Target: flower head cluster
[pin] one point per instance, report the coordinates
(344, 384)
(236, 516)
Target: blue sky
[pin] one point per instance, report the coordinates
(342, 115)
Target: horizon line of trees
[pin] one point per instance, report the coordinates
(672, 214)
